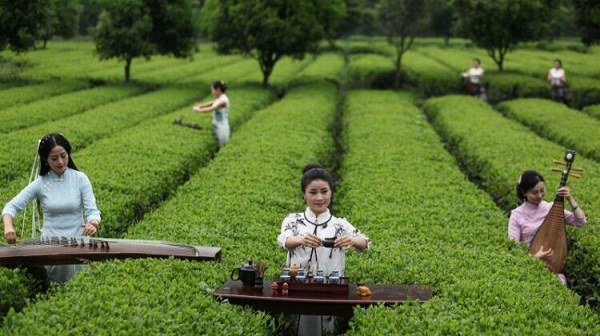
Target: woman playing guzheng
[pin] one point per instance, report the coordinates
(526, 219)
(303, 236)
(66, 198)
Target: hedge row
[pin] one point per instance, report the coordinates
(85, 128)
(430, 76)
(558, 123)
(29, 93)
(500, 85)
(326, 66)
(58, 107)
(369, 71)
(430, 225)
(145, 163)
(236, 202)
(593, 110)
(525, 73)
(496, 150)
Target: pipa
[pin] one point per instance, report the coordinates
(552, 233)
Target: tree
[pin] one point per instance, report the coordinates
(402, 20)
(331, 14)
(88, 19)
(62, 19)
(498, 26)
(354, 19)
(21, 23)
(587, 19)
(128, 29)
(267, 29)
(441, 18)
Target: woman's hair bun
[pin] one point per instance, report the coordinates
(310, 166)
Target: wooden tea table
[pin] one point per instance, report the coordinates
(310, 303)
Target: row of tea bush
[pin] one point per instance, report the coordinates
(495, 151)
(236, 202)
(430, 225)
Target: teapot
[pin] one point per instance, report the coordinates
(246, 273)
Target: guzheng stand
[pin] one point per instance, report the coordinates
(310, 303)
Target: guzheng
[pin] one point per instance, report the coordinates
(65, 250)
(552, 233)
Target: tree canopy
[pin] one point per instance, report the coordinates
(128, 29)
(587, 19)
(269, 29)
(499, 25)
(21, 23)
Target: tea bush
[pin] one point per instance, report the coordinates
(144, 164)
(236, 202)
(558, 123)
(369, 71)
(29, 93)
(495, 151)
(593, 110)
(430, 225)
(85, 128)
(61, 106)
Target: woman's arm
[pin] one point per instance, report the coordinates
(514, 229)
(209, 107)
(576, 216)
(358, 242)
(9, 230)
(308, 240)
(92, 214)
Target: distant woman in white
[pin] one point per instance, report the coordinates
(220, 109)
(558, 80)
(66, 198)
(475, 76)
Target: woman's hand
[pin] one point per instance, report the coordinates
(10, 235)
(311, 240)
(544, 255)
(90, 229)
(564, 192)
(344, 242)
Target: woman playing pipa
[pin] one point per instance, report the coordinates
(540, 224)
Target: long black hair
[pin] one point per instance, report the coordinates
(220, 85)
(47, 144)
(528, 180)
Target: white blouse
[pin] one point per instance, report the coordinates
(325, 225)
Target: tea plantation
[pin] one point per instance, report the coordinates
(426, 171)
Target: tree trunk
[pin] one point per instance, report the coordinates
(266, 74)
(398, 67)
(267, 63)
(127, 69)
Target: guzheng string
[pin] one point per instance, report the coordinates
(35, 213)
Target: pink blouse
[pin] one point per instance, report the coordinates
(526, 219)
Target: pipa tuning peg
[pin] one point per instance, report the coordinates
(559, 162)
(575, 175)
(558, 170)
(579, 169)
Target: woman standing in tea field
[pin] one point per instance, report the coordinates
(220, 109)
(475, 77)
(558, 80)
